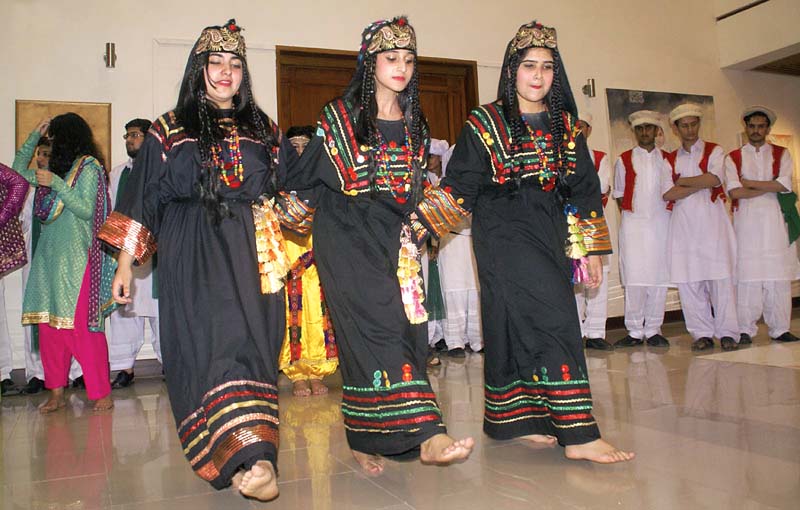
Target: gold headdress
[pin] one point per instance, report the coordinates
(534, 35)
(385, 35)
(227, 38)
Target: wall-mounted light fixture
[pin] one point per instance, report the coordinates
(589, 89)
(110, 56)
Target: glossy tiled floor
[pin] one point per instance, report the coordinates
(714, 431)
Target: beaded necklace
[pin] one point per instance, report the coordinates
(231, 168)
(542, 144)
(399, 185)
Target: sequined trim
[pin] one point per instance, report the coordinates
(440, 211)
(242, 438)
(400, 407)
(232, 416)
(596, 238)
(30, 318)
(294, 214)
(126, 234)
(273, 262)
(566, 403)
(229, 425)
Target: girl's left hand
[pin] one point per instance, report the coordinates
(595, 268)
(44, 177)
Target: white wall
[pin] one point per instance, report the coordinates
(759, 35)
(54, 52)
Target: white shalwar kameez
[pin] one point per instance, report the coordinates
(766, 263)
(701, 251)
(643, 243)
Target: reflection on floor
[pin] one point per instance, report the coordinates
(712, 431)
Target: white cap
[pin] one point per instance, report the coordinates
(685, 110)
(439, 147)
(587, 118)
(760, 109)
(644, 117)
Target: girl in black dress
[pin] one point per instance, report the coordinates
(192, 189)
(522, 168)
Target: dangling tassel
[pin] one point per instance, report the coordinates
(580, 270)
(273, 263)
(408, 268)
(575, 247)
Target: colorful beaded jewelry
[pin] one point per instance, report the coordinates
(399, 183)
(231, 168)
(542, 144)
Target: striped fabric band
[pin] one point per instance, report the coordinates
(596, 237)
(440, 211)
(294, 213)
(566, 404)
(400, 407)
(232, 417)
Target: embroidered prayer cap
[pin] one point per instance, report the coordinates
(771, 115)
(439, 147)
(227, 38)
(644, 117)
(533, 35)
(386, 35)
(685, 110)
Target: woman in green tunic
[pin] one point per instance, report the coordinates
(68, 290)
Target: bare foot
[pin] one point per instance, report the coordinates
(301, 388)
(260, 482)
(598, 451)
(540, 439)
(236, 481)
(54, 403)
(318, 387)
(371, 464)
(103, 404)
(442, 449)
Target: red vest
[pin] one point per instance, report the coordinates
(598, 157)
(736, 157)
(708, 148)
(630, 179)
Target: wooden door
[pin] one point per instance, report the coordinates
(308, 78)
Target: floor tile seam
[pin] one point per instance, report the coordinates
(47, 480)
(374, 481)
(173, 498)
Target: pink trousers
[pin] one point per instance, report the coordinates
(58, 346)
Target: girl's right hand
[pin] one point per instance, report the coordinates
(43, 126)
(121, 285)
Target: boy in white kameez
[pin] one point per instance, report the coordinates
(643, 232)
(757, 175)
(701, 251)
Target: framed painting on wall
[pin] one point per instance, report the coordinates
(98, 115)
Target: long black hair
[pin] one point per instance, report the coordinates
(71, 138)
(201, 120)
(360, 93)
(559, 100)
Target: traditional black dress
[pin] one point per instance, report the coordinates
(535, 371)
(388, 405)
(220, 335)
